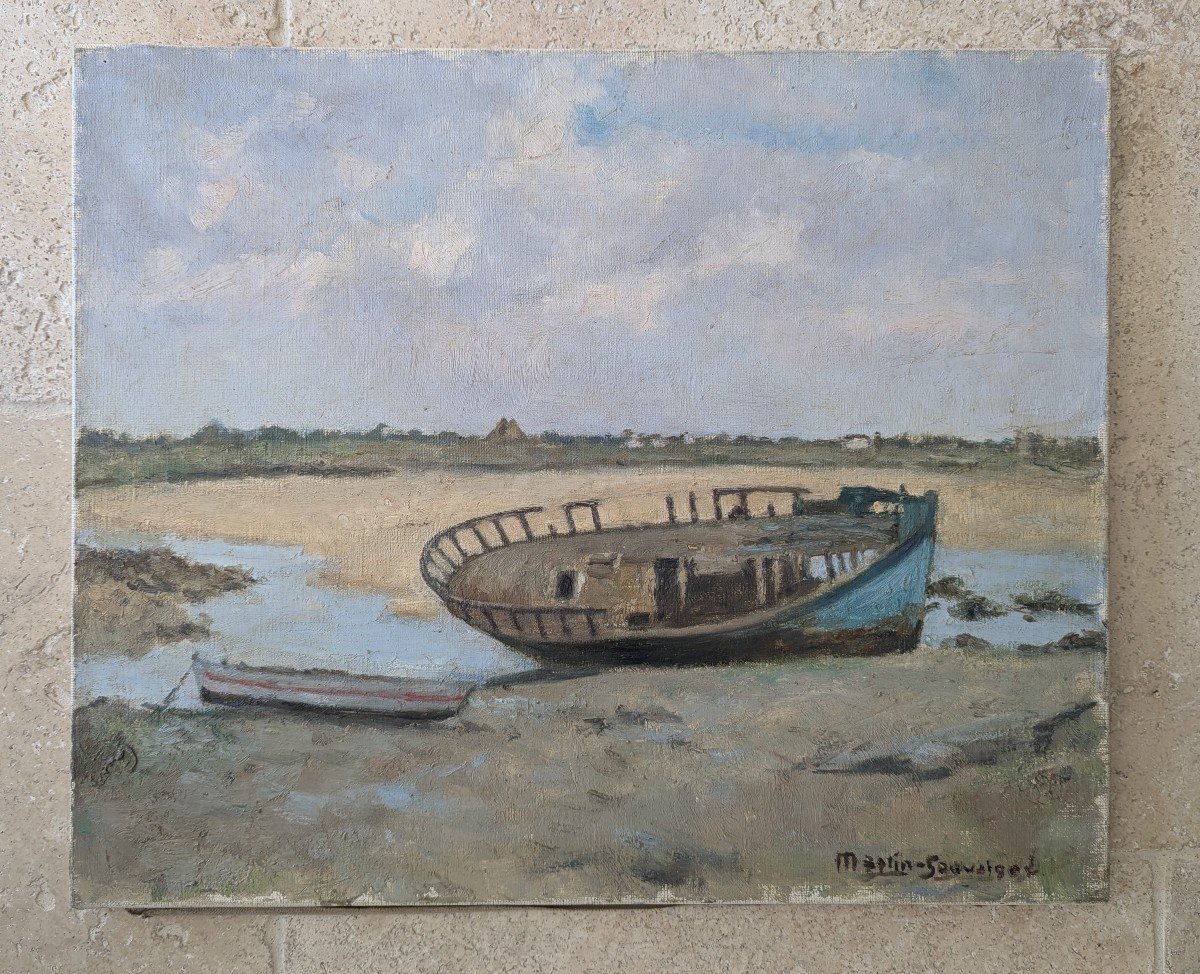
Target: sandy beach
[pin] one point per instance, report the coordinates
(372, 528)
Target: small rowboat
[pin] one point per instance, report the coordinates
(410, 698)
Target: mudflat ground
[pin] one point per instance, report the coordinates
(629, 784)
(645, 784)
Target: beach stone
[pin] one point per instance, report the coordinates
(1089, 641)
(964, 640)
(971, 608)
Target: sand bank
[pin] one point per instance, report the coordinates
(372, 528)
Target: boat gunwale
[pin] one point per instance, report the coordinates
(198, 660)
(472, 524)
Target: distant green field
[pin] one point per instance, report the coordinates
(104, 459)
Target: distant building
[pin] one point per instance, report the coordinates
(506, 431)
(856, 441)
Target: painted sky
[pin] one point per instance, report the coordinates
(780, 244)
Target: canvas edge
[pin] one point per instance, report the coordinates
(1093, 891)
(77, 58)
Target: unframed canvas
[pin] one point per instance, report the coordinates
(589, 478)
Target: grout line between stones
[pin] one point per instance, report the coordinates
(280, 33)
(1161, 867)
(277, 933)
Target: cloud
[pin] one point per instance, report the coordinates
(251, 282)
(220, 152)
(222, 159)
(163, 270)
(214, 200)
(536, 124)
(438, 244)
(749, 238)
(600, 241)
(397, 259)
(357, 173)
(631, 302)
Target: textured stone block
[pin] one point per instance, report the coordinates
(1155, 670)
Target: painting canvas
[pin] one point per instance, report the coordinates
(589, 477)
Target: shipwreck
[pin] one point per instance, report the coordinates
(764, 572)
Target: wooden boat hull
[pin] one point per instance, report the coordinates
(843, 576)
(330, 691)
(879, 612)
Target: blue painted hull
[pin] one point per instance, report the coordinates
(894, 593)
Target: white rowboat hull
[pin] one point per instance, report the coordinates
(404, 697)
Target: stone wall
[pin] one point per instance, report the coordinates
(1151, 923)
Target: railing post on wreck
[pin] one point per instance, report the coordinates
(569, 512)
(692, 508)
(435, 549)
(717, 503)
(670, 509)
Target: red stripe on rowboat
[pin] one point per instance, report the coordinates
(333, 691)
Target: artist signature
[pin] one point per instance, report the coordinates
(933, 867)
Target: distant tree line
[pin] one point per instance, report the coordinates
(1025, 443)
(217, 434)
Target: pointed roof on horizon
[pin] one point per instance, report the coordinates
(506, 429)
